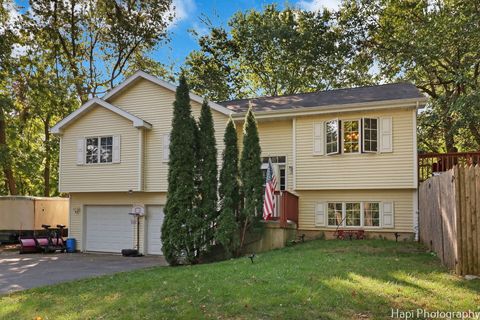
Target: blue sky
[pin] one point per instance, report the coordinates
(189, 14)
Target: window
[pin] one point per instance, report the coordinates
(351, 134)
(99, 150)
(352, 214)
(92, 150)
(371, 211)
(370, 135)
(335, 214)
(331, 130)
(280, 163)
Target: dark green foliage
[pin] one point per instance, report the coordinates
(227, 226)
(435, 45)
(206, 168)
(180, 223)
(275, 51)
(47, 70)
(250, 175)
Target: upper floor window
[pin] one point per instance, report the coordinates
(370, 134)
(351, 136)
(99, 150)
(331, 132)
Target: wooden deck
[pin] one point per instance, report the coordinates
(430, 164)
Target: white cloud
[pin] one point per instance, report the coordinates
(182, 10)
(13, 17)
(200, 29)
(19, 50)
(317, 5)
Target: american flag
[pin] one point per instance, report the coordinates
(269, 198)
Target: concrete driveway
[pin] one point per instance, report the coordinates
(24, 271)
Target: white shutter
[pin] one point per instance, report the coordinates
(320, 214)
(166, 147)
(116, 149)
(386, 134)
(387, 214)
(80, 151)
(318, 138)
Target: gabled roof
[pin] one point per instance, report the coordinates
(143, 75)
(137, 122)
(393, 92)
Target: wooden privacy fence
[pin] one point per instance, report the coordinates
(449, 218)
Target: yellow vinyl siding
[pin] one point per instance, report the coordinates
(78, 202)
(121, 176)
(154, 104)
(275, 140)
(402, 199)
(393, 170)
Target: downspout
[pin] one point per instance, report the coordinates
(294, 152)
(141, 141)
(415, 176)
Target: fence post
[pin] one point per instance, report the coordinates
(477, 216)
(458, 223)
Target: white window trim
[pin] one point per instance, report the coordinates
(343, 213)
(379, 214)
(363, 135)
(359, 138)
(339, 151)
(362, 215)
(98, 151)
(265, 166)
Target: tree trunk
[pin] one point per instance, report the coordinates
(475, 133)
(448, 135)
(48, 157)
(5, 157)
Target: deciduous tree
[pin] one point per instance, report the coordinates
(436, 45)
(274, 52)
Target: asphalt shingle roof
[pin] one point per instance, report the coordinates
(385, 92)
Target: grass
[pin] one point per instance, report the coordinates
(315, 280)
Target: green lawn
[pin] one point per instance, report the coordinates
(315, 280)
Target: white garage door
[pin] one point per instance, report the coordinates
(154, 229)
(109, 228)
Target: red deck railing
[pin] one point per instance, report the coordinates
(432, 163)
(286, 208)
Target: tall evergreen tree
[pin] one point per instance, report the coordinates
(227, 227)
(206, 160)
(250, 174)
(180, 221)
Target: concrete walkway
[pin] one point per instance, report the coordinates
(19, 272)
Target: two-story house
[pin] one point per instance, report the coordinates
(350, 155)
